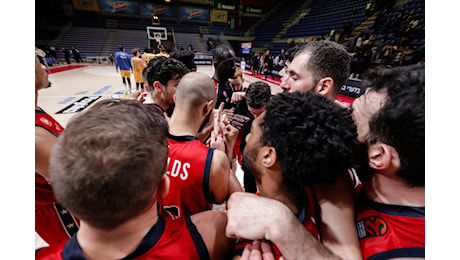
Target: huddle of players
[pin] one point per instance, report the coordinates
(299, 148)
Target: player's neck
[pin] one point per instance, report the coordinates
(387, 190)
(157, 100)
(271, 186)
(119, 242)
(184, 123)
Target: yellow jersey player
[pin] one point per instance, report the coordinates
(138, 66)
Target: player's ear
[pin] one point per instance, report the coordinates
(324, 86)
(383, 157)
(157, 85)
(163, 186)
(208, 107)
(269, 156)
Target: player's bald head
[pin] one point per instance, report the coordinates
(194, 89)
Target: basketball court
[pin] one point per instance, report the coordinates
(76, 87)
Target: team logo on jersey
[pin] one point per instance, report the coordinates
(372, 226)
(173, 211)
(46, 121)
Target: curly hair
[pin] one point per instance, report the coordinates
(314, 138)
(163, 69)
(328, 59)
(258, 94)
(401, 121)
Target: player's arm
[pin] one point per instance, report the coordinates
(338, 229)
(44, 142)
(222, 181)
(254, 217)
(211, 226)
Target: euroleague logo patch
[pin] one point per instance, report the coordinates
(372, 226)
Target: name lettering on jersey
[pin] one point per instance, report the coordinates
(372, 226)
(178, 169)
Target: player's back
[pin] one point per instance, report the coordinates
(167, 239)
(189, 165)
(390, 231)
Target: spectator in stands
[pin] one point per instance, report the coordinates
(255, 63)
(76, 54)
(253, 105)
(269, 65)
(117, 190)
(289, 150)
(66, 54)
(391, 129)
(199, 176)
(186, 57)
(123, 62)
(111, 58)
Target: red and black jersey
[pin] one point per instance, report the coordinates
(53, 223)
(189, 166)
(390, 231)
(309, 216)
(224, 94)
(167, 239)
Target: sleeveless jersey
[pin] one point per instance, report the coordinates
(189, 166)
(167, 239)
(224, 94)
(52, 221)
(136, 63)
(309, 216)
(389, 231)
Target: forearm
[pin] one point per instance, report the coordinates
(295, 242)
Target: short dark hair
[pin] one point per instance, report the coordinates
(314, 138)
(328, 59)
(258, 94)
(121, 47)
(186, 57)
(163, 69)
(109, 161)
(134, 51)
(290, 54)
(401, 121)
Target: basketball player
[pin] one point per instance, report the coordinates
(390, 124)
(391, 129)
(53, 222)
(186, 57)
(224, 68)
(163, 75)
(200, 176)
(253, 105)
(323, 67)
(289, 150)
(138, 66)
(123, 62)
(117, 168)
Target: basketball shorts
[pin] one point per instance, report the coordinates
(125, 73)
